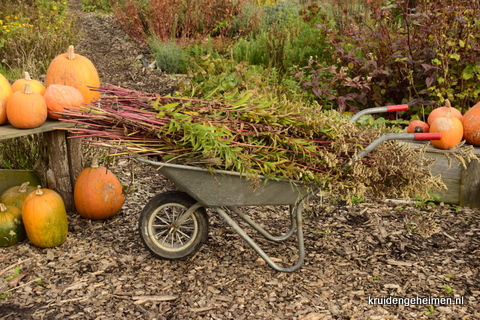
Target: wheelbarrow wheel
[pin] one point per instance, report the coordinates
(162, 236)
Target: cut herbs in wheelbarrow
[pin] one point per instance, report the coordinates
(256, 136)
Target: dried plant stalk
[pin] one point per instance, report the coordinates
(277, 139)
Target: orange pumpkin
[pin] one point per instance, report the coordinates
(35, 85)
(442, 111)
(74, 70)
(451, 129)
(15, 196)
(58, 97)
(471, 125)
(97, 193)
(26, 109)
(418, 126)
(45, 218)
(5, 93)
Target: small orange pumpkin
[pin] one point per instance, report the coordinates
(471, 125)
(5, 93)
(74, 70)
(451, 129)
(97, 193)
(45, 218)
(35, 85)
(58, 97)
(26, 109)
(418, 126)
(442, 111)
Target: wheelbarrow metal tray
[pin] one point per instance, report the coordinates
(228, 188)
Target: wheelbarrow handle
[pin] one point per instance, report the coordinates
(392, 136)
(427, 136)
(400, 107)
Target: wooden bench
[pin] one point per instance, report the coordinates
(64, 161)
(463, 183)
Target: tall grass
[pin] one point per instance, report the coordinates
(345, 12)
(21, 153)
(32, 33)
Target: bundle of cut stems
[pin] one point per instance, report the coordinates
(254, 136)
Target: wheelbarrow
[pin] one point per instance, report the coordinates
(174, 224)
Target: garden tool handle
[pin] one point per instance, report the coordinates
(427, 136)
(400, 107)
(392, 136)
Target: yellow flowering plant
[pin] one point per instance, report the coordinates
(32, 33)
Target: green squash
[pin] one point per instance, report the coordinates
(15, 196)
(11, 225)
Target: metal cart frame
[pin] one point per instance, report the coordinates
(173, 225)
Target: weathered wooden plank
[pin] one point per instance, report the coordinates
(463, 183)
(452, 194)
(452, 170)
(432, 149)
(7, 131)
(470, 188)
(75, 157)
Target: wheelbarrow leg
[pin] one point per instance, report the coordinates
(254, 245)
(262, 231)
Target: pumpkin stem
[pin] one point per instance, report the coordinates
(447, 103)
(94, 162)
(70, 53)
(27, 76)
(3, 208)
(26, 88)
(23, 187)
(39, 191)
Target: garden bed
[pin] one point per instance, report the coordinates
(353, 253)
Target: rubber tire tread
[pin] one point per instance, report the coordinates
(173, 197)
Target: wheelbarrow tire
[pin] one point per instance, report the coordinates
(159, 235)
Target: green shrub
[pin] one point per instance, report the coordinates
(252, 50)
(266, 45)
(105, 6)
(420, 56)
(215, 77)
(170, 57)
(290, 35)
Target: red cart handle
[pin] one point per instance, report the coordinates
(400, 107)
(392, 136)
(427, 136)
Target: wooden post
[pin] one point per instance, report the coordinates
(470, 187)
(64, 164)
(75, 157)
